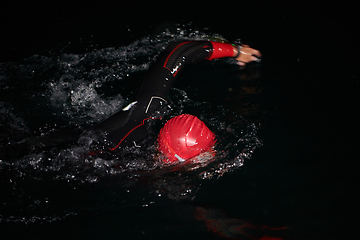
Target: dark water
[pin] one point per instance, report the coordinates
(286, 129)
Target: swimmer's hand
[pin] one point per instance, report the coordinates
(248, 54)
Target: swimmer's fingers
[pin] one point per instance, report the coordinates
(256, 53)
(248, 54)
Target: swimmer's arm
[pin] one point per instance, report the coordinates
(242, 53)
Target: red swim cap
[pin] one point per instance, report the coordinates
(184, 137)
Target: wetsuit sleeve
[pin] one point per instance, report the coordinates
(221, 50)
(127, 126)
(164, 72)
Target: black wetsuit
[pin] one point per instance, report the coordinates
(128, 127)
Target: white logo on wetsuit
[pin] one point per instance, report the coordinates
(129, 106)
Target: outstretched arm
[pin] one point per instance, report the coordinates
(171, 62)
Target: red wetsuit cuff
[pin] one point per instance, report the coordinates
(221, 50)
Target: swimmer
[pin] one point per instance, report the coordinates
(184, 136)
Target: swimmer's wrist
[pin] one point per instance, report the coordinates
(237, 50)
